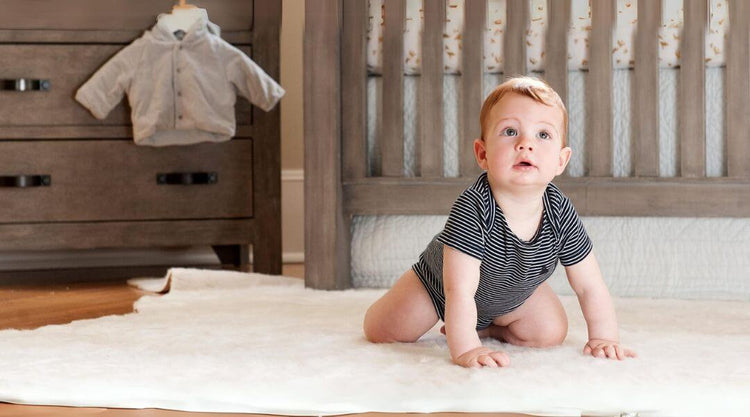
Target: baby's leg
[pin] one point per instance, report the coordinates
(539, 322)
(403, 314)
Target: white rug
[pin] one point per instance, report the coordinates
(232, 342)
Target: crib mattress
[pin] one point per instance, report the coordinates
(689, 258)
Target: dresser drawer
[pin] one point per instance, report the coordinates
(66, 68)
(117, 180)
(114, 15)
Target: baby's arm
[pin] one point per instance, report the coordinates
(586, 280)
(460, 281)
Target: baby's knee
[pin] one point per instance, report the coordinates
(381, 329)
(549, 333)
(553, 337)
(375, 330)
(378, 333)
(375, 335)
(552, 334)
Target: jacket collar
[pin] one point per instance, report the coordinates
(197, 31)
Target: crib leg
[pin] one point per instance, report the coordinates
(267, 254)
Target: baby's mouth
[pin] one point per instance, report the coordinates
(524, 164)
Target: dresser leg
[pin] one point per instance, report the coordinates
(234, 255)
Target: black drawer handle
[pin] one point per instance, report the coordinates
(26, 84)
(25, 181)
(187, 178)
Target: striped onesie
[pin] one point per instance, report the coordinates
(511, 269)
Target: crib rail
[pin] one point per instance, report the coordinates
(340, 184)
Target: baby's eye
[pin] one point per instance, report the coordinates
(509, 131)
(544, 135)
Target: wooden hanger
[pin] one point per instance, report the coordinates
(182, 17)
(182, 5)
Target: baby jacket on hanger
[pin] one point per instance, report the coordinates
(181, 91)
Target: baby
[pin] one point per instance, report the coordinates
(484, 274)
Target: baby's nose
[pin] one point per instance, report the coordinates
(524, 144)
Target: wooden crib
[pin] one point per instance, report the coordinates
(337, 183)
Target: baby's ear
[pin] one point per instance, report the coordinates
(565, 154)
(480, 153)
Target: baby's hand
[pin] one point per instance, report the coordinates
(482, 356)
(600, 348)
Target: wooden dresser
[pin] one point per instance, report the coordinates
(70, 181)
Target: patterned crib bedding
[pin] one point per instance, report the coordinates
(623, 37)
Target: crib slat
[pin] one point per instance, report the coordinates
(431, 90)
(471, 80)
(599, 90)
(556, 52)
(392, 139)
(692, 91)
(514, 41)
(646, 117)
(353, 80)
(738, 90)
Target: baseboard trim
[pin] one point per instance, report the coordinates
(292, 215)
(293, 257)
(292, 175)
(113, 258)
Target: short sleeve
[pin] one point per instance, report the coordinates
(464, 230)
(251, 81)
(576, 244)
(101, 93)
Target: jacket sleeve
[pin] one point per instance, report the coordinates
(251, 81)
(101, 93)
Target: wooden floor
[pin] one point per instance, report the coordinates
(29, 307)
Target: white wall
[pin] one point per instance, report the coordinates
(292, 131)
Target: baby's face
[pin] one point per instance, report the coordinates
(523, 143)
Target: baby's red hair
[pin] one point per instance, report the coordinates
(530, 87)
